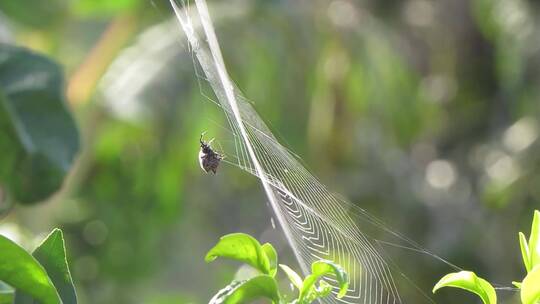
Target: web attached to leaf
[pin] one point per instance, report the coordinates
(317, 223)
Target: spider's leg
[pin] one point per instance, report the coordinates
(221, 155)
(201, 138)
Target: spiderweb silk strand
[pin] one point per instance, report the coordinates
(317, 223)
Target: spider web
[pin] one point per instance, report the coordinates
(317, 223)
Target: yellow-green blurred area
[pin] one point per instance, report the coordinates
(424, 113)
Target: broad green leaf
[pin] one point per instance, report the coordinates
(38, 136)
(295, 279)
(534, 240)
(272, 257)
(262, 286)
(52, 256)
(517, 284)
(21, 271)
(241, 247)
(320, 269)
(530, 287)
(469, 281)
(525, 253)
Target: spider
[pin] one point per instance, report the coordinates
(208, 158)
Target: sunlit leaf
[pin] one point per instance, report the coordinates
(469, 281)
(525, 254)
(262, 286)
(320, 269)
(52, 256)
(272, 257)
(324, 289)
(534, 240)
(21, 271)
(38, 136)
(530, 287)
(295, 279)
(241, 247)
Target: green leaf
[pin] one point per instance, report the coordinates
(517, 284)
(52, 256)
(38, 136)
(324, 289)
(241, 247)
(469, 281)
(530, 287)
(262, 286)
(6, 297)
(272, 257)
(534, 240)
(6, 293)
(295, 279)
(320, 269)
(525, 253)
(21, 271)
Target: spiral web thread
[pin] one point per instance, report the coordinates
(317, 223)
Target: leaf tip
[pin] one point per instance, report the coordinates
(343, 290)
(210, 257)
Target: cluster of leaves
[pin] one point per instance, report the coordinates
(529, 287)
(38, 136)
(245, 248)
(39, 141)
(42, 276)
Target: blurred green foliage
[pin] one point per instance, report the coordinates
(424, 113)
(39, 137)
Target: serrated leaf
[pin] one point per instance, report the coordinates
(525, 253)
(21, 271)
(241, 247)
(295, 279)
(530, 287)
(262, 286)
(320, 269)
(38, 136)
(272, 257)
(469, 281)
(52, 256)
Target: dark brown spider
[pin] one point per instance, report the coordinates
(208, 158)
